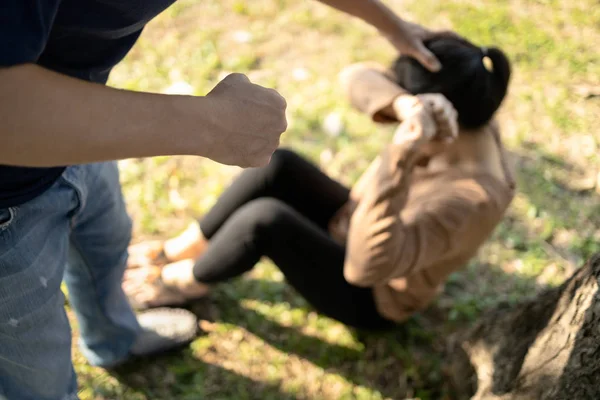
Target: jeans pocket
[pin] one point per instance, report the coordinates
(7, 215)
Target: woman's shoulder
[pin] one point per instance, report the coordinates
(501, 171)
(484, 189)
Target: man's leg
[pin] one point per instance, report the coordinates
(35, 339)
(101, 232)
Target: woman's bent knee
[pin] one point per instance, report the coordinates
(263, 215)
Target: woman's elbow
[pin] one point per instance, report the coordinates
(359, 276)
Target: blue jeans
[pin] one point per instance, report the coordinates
(78, 229)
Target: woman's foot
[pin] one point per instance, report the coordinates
(146, 253)
(156, 286)
(189, 244)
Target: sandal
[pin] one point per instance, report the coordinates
(146, 254)
(188, 244)
(154, 292)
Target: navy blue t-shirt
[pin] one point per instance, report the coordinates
(80, 38)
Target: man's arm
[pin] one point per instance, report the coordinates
(48, 119)
(406, 37)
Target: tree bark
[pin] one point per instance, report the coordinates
(546, 348)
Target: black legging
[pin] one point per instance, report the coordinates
(282, 212)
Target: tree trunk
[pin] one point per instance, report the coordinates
(547, 348)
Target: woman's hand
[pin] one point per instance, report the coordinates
(431, 123)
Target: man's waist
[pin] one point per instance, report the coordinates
(21, 184)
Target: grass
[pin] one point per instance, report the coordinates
(264, 342)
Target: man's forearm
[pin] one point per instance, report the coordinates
(373, 12)
(47, 119)
(406, 37)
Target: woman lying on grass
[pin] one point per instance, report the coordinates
(372, 255)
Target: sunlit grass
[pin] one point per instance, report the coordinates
(266, 342)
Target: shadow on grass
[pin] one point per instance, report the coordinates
(181, 376)
(405, 362)
(379, 366)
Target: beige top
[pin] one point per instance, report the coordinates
(410, 227)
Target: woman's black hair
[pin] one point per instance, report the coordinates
(473, 84)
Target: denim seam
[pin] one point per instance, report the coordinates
(76, 245)
(80, 197)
